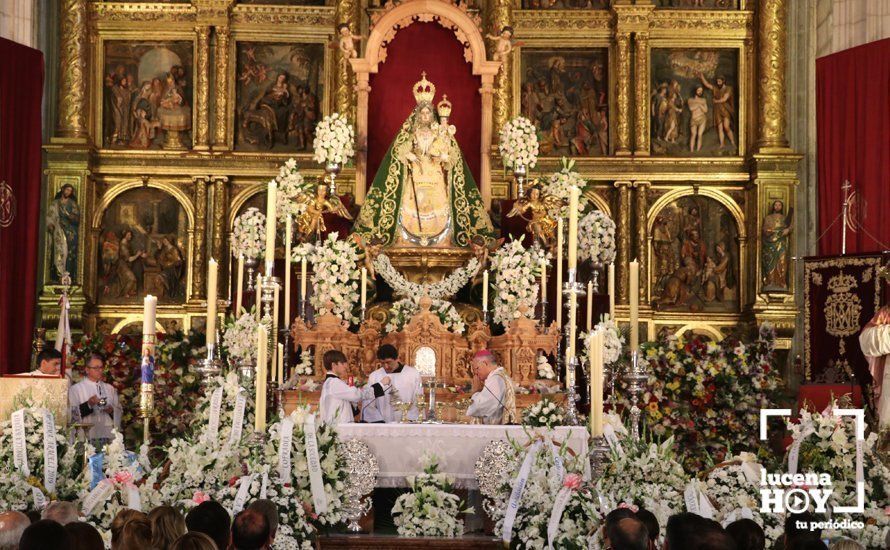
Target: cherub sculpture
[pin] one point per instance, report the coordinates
(346, 43)
(370, 250)
(504, 44)
(312, 220)
(542, 222)
(482, 248)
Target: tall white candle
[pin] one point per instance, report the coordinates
(275, 308)
(589, 305)
(573, 228)
(595, 352)
(271, 223)
(303, 270)
(364, 287)
(612, 290)
(559, 273)
(258, 293)
(288, 237)
(634, 305)
(212, 277)
(279, 378)
(239, 292)
(573, 327)
(149, 315)
(259, 424)
(543, 280)
(485, 290)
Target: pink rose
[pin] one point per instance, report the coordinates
(572, 481)
(123, 477)
(200, 497)
(632, 507)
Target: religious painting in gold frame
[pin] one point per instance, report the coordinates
(698, 4)
(279, 94)
(147, 94)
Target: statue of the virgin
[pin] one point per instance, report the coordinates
(423, 193)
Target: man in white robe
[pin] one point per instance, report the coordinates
(97, 402)
(335, 405)
(875, 343)
(494, 397)
(49, 363)
(406, 387)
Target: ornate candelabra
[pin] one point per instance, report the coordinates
(572, 290)
(362, 470)
(210, 366)
(431, 415)
(595, 276)
(544, 304)
(520, 171)
(332, 169)
(251, 265)
(636, 379)
(599, 454)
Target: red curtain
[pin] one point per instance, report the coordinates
(853, 143)
(21, 93)
(434, 49)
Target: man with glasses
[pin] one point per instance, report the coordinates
(97, 402)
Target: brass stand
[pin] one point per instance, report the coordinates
(572, 291)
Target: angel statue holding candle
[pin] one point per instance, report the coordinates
(311, 221)
(541, 222)
(423, 193)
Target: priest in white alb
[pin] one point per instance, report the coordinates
(407, 386)
(97, 402)
(875, 343)
(339, 401)
(494, 395)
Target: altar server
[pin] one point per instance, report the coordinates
(406, 388)
(337, 397)
(97, 401)
(49, 363)
(494, 397)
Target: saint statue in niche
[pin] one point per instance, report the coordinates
(63, 224)
(423, 193)
(774, 250)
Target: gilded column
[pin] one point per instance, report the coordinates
(343, 93)
(72, 70)
(642, 233)
(362, 91)
(623, 228)
(220, 141)
(218, 247)
(771, 70)
(199, 263)
(622, 69)
(641, 96)
(502, 16)
(487, 92)
(202, 89)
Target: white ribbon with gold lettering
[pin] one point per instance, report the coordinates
(243, 493)
(559, 506)
(50, 458)
(213, 423)
(237, 419)
(316, 483)
(794, 452)
(517, 489)
(100, 493)
(19, 450)
(284, 449)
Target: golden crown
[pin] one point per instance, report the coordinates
(444, 107)
(424, 90)
(842, 282)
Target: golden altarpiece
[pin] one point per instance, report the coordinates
(170, 123)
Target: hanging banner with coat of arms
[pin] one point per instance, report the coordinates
(841, 294)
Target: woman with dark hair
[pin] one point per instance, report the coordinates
(747, 534)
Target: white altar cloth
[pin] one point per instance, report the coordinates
(398, 447)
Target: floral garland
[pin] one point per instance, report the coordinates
(830, 448)
(401, 313)
(559, 185)
(334, 139)
(335, 278)
(446, 288)
(431, 509)
(517, 290)
(708, 396)
(613, 342)
(543, 414)
(239, 338)
(518, 143)
(248, 234)
(596, 238)
(291, 185)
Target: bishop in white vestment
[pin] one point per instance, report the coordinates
(97, 401)
(875, 343)
(494, 401)
(406, 387)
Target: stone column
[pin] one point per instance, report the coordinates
(642, 233)
(221, 62)
(502, 16)
(202, 89)
(362, 91)
(622, 79)
(771, 69)
(641, 96)
(487, 92)
(218, 248)
(199, 258)
(622, 258)
(72, 99)
(343, 91)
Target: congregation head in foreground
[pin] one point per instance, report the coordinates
(250, 531)
(12, 525)
(494, 395)
(211, 519)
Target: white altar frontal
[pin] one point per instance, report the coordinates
(399, 447)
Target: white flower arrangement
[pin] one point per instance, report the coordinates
(734, 485)
(543, 414)
(431, 509)
(516, 281)
(613, 341)
(559, 185)
(443, 290)
(596, 238)
(335, 278)
(300, 251)
(519, 143)
(646, 474)
(239, 339)
(305, 366)
(291, 185)
(401, 313)
(545, 369)
(249, 234)
(334, 140)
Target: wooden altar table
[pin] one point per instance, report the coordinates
(399, 447)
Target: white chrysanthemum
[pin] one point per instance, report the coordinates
(239, 338)
(334, 139)
(248, 234)
(335, 278)
(519, 143)
(596, 238)
(405, 309)
(516, 281)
